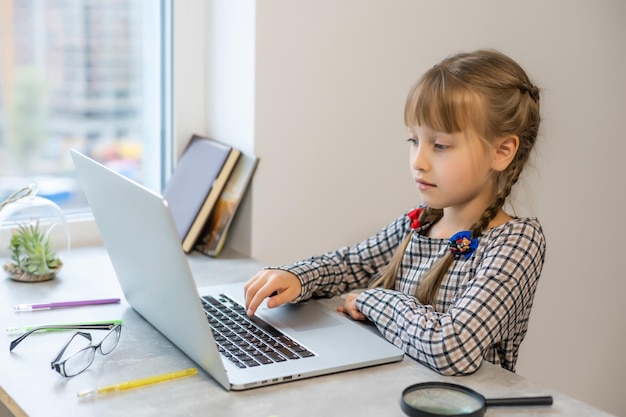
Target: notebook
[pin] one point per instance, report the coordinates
(153, 271)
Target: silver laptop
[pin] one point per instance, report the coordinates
(143, 244)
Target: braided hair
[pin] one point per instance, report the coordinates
(489, 94)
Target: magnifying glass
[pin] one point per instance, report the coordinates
(431, 399)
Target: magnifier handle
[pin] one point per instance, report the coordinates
(520, 401)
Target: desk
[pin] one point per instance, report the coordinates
(29, 387)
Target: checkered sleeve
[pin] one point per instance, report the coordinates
(492, 308)
(349, 267)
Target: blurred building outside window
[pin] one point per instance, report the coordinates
(82, 74)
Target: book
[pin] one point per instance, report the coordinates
(215, 231)
(196, 184)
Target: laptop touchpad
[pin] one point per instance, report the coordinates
(300, 317)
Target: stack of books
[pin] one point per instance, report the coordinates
(205, 191)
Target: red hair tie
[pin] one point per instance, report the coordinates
(414, 216)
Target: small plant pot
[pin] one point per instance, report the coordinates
(17, 274)
(33, 230)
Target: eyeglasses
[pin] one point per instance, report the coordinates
(80, 360)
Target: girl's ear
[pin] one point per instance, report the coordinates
(504, 151)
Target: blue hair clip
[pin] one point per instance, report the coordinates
(461, 243)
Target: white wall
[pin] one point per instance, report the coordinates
(327, 81)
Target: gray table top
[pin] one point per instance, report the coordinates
(29, 387)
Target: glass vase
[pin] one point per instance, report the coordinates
(34, 236)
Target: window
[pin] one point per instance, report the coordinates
(83, 74)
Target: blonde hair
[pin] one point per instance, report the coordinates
(484, 92)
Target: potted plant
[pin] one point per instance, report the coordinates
(32, 259)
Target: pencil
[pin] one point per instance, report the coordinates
(64, 304)
(123, 386)
(57, 327)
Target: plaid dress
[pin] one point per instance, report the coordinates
(481, 309)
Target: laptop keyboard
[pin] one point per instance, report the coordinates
(248, 341)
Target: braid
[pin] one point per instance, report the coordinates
(532, 90)
(427, 290)
(387, 277)
(431, 215)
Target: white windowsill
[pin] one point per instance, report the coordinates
(83, 231)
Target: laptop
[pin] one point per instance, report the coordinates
(143, 244)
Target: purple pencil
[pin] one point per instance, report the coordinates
(64, 304)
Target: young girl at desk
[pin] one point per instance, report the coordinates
(451, 282)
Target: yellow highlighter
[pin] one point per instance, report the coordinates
(123, 386)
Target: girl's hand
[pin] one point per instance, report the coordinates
(280, 286)
(349, 307)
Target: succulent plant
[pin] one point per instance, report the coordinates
(30, 251)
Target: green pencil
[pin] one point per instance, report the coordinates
(57, 327)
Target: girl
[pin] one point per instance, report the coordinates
(460, 286)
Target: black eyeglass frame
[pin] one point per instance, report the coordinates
(59, 365)
(100, 326)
